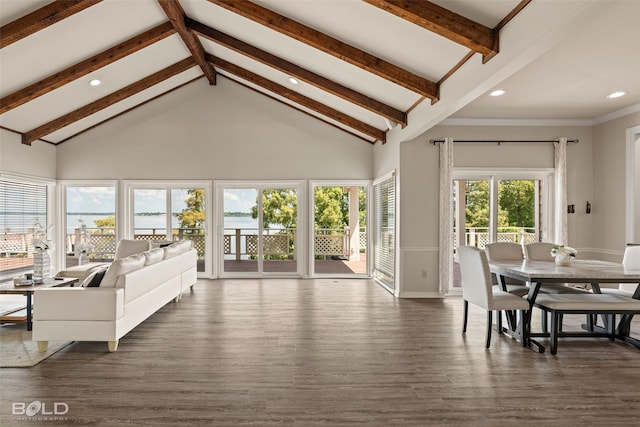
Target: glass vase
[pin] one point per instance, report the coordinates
(563, 260)
(83, 259)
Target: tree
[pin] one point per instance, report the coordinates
(477, 204)
(279, 207)
(109, 223)
(331, 208)
(516, 204)
(192, 217)
(517, 200)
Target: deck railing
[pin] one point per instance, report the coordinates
(103, 240)
(479, 236)
(242, 243)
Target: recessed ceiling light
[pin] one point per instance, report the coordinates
(616, 94)
(293, 80)
(498, 92)
(95, 82)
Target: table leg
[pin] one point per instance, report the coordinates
(29, 319)
(531, 297)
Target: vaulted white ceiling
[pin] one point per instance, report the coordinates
(369, 69)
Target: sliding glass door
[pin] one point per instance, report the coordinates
(170, 212)
(259, 230)
(499, 208)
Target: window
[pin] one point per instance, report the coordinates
(23, 209)
(90, 222)
(164, 210)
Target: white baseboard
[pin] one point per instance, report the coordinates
(420, 295)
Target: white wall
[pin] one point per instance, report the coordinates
(609, 185)
(420, 178)
(215, 132)
(38, 160)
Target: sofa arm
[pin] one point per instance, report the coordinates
(78, 304)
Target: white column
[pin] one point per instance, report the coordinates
(354, 224)
(461, 220)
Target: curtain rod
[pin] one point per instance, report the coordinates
(499, 141)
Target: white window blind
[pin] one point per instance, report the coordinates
(22, 206)
(385, 227)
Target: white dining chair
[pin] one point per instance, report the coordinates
(507, 251)
(630, 260)
(478, 290)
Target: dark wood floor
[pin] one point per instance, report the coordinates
(326, 353)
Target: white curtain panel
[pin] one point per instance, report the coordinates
(446, 215)
(560, 191)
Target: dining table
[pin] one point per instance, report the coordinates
(592, 272)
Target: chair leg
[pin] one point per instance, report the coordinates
(543, 319)
(499, 314)
(612, 327)
(489, 327)
(464, 316)
(554, 331)
(560, 319)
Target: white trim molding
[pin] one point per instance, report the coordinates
(454, 121)
(420, 295)
(632, 135)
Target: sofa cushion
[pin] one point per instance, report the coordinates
(127, 247)
(94, 278)
(120, 267)
(153, 256)
(177, 248)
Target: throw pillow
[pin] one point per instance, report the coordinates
(88, 279)
(172, 251)
(153, 256)
(119, 267)
(94, 278)
(97, 278)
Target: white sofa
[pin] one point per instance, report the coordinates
(132, 289)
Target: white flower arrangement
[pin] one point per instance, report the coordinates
(39, 239)
(83, 248)
(564, 251)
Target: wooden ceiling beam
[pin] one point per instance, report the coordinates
(85, 67)
(298, 98)
(300, 73)
(331, 46)
(445, 23)
(102, 103)
(176, 15)
(41, 19)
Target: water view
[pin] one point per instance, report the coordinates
(157, 222)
